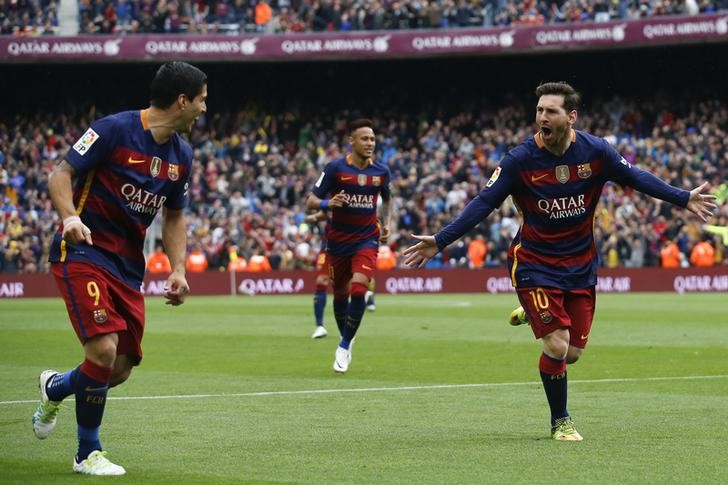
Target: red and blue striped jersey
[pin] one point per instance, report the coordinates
(556, 197)
(124, 177)
(353, 226)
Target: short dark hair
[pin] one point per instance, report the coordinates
(572, 98)
(360, 123)
(175, 78)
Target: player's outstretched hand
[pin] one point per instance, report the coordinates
(176, 290)
(418, 255)
(700, 204)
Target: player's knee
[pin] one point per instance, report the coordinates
(122, 370)
(101, 351)
(573, 354)
(557, 348)
(322, 280)
(119, 377)
(358, 289)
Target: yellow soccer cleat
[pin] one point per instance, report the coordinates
(564, 430)
(518, 317)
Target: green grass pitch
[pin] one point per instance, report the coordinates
(440, 390)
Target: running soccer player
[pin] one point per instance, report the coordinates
(107, 190)
(350, 187)
(556, 178)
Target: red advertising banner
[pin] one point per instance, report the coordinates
(393, 282)
(380, 44)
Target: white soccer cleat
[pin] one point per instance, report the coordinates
(44, 418)
(320, 332)
(342, 359)
(368, 298)
(97, 464)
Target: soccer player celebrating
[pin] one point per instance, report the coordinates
(555, 178)
(107, 190)
(350, 188)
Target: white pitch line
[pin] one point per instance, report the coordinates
(391, 389)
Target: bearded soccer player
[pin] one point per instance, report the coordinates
(107, 190)
(555, 179)
(350, 188)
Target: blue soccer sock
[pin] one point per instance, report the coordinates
(341, 306)
(354, 316)
(92, 385)
(62, 385)
(319, 305)
(553, 376)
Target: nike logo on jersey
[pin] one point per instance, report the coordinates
(346, 178)
(132, 161)
(366, 267)
(536, 179)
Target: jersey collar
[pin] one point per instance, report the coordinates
(349, 161)
(541, 144)
(144, 116)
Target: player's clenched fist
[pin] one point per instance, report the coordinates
(75, 231)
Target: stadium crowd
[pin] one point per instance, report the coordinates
(282, 16)
(39, 17)
(253, 171)
(28, 17)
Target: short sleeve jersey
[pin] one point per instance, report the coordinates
(124, 177)
(353, 226)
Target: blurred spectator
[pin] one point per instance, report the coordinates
(158, 262)
(703, 253)
(237, 263)
(477, 251)
(196, 260)
(670, 255)
(259, 263)
(386, 258)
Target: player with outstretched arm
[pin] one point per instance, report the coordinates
(555, 179)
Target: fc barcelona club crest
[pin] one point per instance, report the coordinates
(362, 179)
(584, 170)
(173, 172)
(562, 173)
(546, 317)
(377, 180)
(156, 166)
(100, 315)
